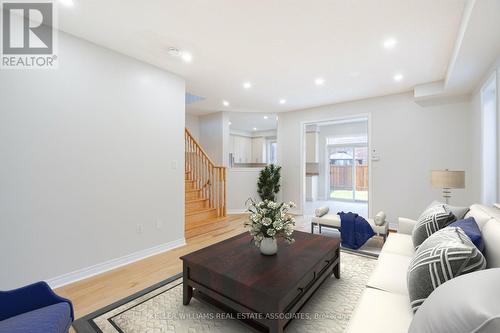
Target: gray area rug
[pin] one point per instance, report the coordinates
(159, 308)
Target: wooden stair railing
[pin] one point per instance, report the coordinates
(208, 177)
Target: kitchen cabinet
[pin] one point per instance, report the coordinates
(258, 150)
(241, 148)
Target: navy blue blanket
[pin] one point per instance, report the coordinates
(354, 230)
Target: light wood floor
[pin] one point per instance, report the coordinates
(96, 292)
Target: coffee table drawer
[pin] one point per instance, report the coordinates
(303, 286)
(327, 260)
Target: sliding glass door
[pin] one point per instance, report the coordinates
(348, 172)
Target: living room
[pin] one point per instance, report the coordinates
(111, 110)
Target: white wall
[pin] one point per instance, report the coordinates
(193, 125)
(214, 136)
(241, 185)
(87, 154)
(410, 139)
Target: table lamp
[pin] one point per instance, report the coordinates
(446, 180)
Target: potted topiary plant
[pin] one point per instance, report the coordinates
(269, 182)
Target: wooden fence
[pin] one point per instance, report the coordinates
(341, 177)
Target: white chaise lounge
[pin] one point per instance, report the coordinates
(333, 221)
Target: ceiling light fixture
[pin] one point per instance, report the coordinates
(282, 101)
(319, 81)
(230, 123)
(398, 77)
(255, 128)
(247, 85)
(175, 52)
(68, 3)
(186, 56)
(390, 43)
(266, 117)
(225, 103)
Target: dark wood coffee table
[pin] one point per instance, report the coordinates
(263, 291)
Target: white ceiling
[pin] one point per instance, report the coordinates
(247, 121)
(280, 46)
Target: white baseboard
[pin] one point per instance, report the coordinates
(87, 272)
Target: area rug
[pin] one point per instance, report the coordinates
(159, 308)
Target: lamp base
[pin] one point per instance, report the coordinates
(446, 195)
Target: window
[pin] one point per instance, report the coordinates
(272, 148)
(489, 117)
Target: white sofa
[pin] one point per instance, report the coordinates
(384, 305)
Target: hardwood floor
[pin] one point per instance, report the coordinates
(96, 292)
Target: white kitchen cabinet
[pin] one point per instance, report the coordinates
(258, 150)
(241, 148)
(247, 150)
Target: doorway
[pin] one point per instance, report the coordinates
(337, 168)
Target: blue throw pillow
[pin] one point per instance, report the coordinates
(471, 229)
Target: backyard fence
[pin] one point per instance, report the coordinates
(341, 177)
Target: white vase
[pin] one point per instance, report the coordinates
(269, 246)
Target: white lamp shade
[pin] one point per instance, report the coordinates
(448, 179)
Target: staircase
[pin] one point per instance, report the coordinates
(205, 190)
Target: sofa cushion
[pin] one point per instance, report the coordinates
(471, 229)
(444, 255)
(480, 214)
(491, 237)
(328, 219)
(432, 220)
(468, 303)
(459, 212)
(55, 318)
(380, 312)
(321, 211)
(390, 273)
(379, 218)
(401, 244)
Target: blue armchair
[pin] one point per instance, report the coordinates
(34, 309)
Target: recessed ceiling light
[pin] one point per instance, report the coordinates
(255, 128)
(390, 43)
(282, 101)
(266, 117)
(276, 117)
(225, 103)
(247, 85)
(68, 3)
(186, 56)
(230, 123)
(319, 81)
(398, 77)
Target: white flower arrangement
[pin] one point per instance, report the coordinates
(269, 219)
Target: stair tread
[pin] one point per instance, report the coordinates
(193, 190)
(195, 200)
(202, 210)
